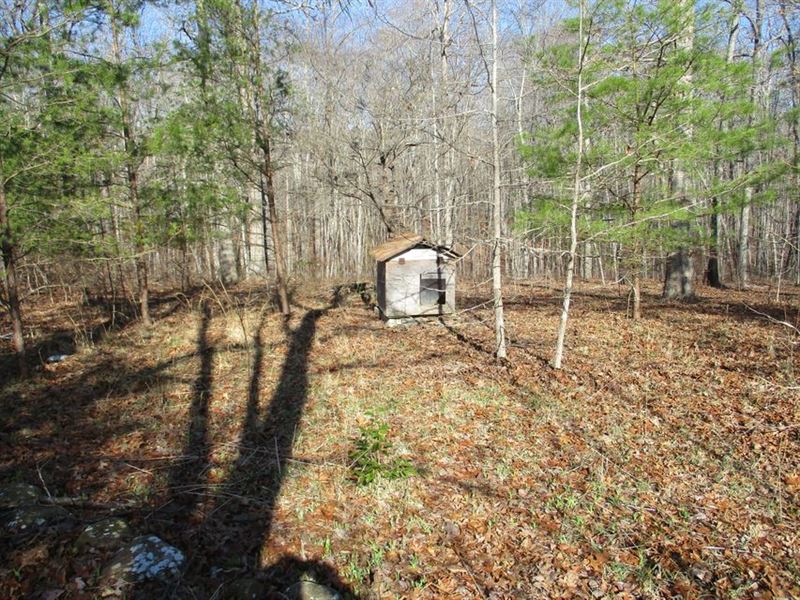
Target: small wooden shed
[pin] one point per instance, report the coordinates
(414, 277)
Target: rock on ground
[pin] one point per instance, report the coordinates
(107, 534)
(308, 590)
(18, 494)
(27, 518)
(20, 513)
(146, 558)
(245, 589)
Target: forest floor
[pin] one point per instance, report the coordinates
(663, 461)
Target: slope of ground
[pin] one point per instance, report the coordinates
(662, 462)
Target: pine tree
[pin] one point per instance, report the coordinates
(637, 113)
(47, 137)
(249, 95)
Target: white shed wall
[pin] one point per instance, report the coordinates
(416, 254)
(401, 283)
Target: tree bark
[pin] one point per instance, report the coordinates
(637, 255)
(713, 276)
(576, 197)
(141, 259)
(714, 268)
(497, 214)
(743, 266)
(277, 244)
(132, 173)
(678, 282)
(679, 273)
(262, 188)
(756, 94)
(9, 250)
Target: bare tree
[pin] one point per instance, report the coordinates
(577, 194)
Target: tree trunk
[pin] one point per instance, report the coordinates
(678, 282)
(141, 259)
(277, 244)
(497, 216)
(228, 273)
(796, 244)
(637, 255)
(264, 221)
(132, 167)
(8, 249)
(679, 270)
(712, 274)
(794, 78)
(713, 277)
(743, 266)
(576, 197)
(714, 269)
(756, 95)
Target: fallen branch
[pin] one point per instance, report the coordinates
(82, 502)
(773, 319)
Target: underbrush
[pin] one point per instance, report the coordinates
(371, 457)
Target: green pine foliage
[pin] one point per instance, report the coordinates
(651, 107)
(51, 127)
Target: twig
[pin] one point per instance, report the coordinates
(467, 568)
(81, 502)
(217, 592)
(773, 319)
(44, 485)
(783, 429)
(137, 468)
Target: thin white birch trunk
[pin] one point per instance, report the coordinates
(576, 197)
(497, 215)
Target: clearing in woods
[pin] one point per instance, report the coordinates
(662, 462)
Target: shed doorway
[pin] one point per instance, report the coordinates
(432, 290)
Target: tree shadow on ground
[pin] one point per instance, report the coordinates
(50, 434)
(59, 414)
(755, 307)
(50, 429)
(228, 538)
(239, 518)
(114, 317)
(195, 457)
(465, 339)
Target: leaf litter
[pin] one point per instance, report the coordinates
(662, 462)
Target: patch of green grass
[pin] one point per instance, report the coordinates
(371, 457)
(503, 470)
(327, 548)
(142, 490)
(482, 395)
(376, 553)
(563, 503)
(619, 571)
(300, 513)
(356, 573)
(420, 583)
(423, 525)
(648, 573)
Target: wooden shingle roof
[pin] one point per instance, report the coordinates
(395, 245)
(401, 242)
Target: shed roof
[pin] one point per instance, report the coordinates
(403, 241)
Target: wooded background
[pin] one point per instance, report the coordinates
(171, 143)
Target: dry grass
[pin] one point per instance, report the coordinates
(662, 462)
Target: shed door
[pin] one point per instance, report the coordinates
(432, 289)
